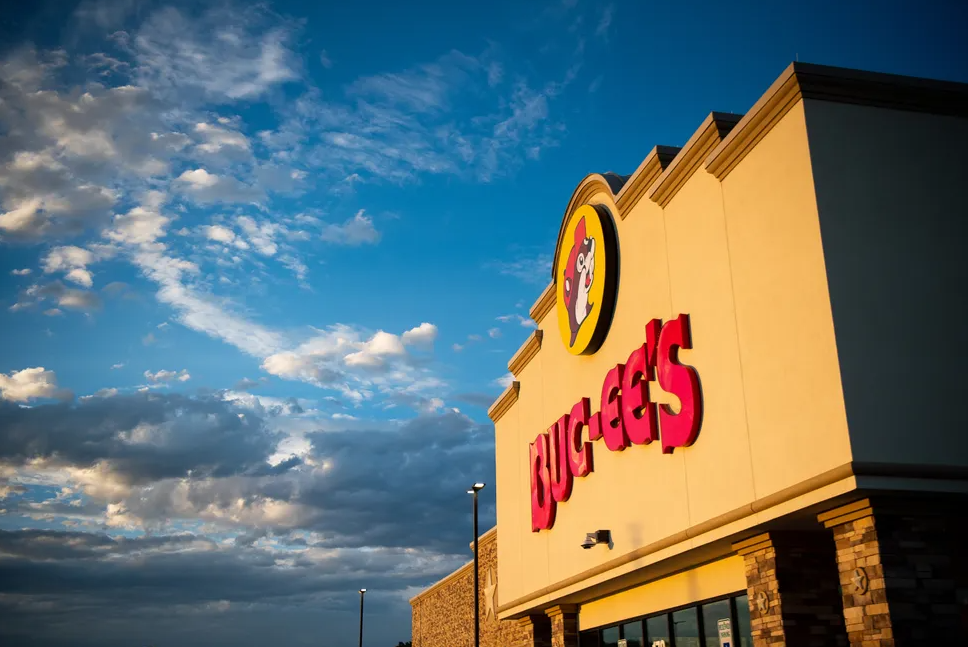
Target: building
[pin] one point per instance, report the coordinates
(729, 380)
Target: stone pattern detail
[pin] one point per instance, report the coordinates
(794, 599)
(913, 565)
(444, 617)
(564, 626)
(761, 580)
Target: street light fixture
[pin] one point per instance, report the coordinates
(362, 593)
(477, 487)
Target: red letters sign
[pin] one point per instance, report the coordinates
(627, 416)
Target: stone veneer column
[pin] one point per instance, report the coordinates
(763, 589)
(533, 631)
(792, 586)
(564, 625)
(900, 565)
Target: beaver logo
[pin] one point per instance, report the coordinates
(579, 275)
(586, 278)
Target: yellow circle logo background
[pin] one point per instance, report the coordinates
(586, 279)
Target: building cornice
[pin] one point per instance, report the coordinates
(526, 353)
(691, 157)
(840, 85)
(648, 172)
(504, 401)
(544, 304)
(469, 566)
(485, 539)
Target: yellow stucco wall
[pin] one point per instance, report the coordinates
(712, 580)
(744, 259)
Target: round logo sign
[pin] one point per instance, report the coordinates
(587, 279)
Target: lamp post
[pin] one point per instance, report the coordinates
(362, 593)
(477, 487)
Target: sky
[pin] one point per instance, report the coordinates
(262, 268)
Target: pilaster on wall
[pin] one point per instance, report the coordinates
(762, 587)
(533, 631)
(900, 568)
(564, 625)
(793, 594)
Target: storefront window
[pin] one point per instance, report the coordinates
(696, 626)
(686, 628)
(712, 613)
(657, 628)
(743, 631)
(632, 632)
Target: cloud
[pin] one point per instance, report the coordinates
(112, 443)
(143, 224)
(217, 139)
(525, 322)
(222, 56)
(205, 188)
(24, 272)
(245, 384)
(494, 333)
(101, 393)
(505, 380)
(535, 270)
(73, 262)
(31, 384)
(354, 362)
(422, 335)
(164, 377)
(117, 366)
(65, 297)
(605, 21)
(358, 230)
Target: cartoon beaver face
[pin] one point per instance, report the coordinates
(578, 276)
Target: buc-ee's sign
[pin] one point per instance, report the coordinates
(587, 283)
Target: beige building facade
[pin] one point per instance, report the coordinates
(746, 375)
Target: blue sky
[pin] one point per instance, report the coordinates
(262, 268)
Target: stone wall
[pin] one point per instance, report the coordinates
(901, 566)
(443, 615)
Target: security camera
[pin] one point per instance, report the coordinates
(595, 538)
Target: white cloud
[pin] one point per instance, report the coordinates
(261, 235)
(457, 348)
(143, 224)
(376, 350)
(358, 230)
(30, 384)
(205, 187)
(73, 261)
(24, 272)
(422, 335)
(101, 393)
(505, 380)
(222, 234)
(163, 376)
(222, 56)
(53, 312)
(216, 139)
(117, 366)
(494, 333)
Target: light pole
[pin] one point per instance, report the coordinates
(362, 593)
(477, 487)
